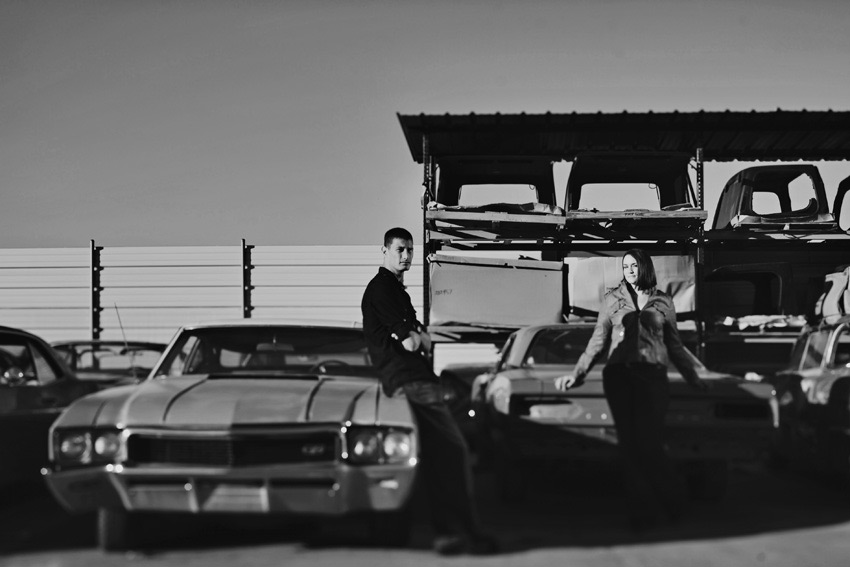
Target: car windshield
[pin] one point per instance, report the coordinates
(272, 350)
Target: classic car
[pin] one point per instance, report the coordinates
(527, 423)
(110, 362)
(35, 385)
(249, 417)
(814, 399)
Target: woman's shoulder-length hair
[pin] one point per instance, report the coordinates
(646, 279)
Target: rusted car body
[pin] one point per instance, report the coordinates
(814, 387)
(773, 240)
(250, 417)
(526, 421)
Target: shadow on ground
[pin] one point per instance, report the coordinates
(578, 509)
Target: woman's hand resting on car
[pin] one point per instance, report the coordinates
(565, 382)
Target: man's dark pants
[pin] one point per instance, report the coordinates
(638, 397)
(445, 460)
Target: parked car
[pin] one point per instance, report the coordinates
(252, 417)
(526, 422)
(814, 399)
(110, 363)
(35, 385)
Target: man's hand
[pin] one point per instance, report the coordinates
(412, 342)
(700, 385)
(564, 382)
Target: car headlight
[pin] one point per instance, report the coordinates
(107, 445)
(376, 446)
(76, 447)
(365, 447)
(397, 446)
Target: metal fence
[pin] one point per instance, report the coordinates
(147, 293)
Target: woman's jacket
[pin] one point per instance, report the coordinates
(646, 336)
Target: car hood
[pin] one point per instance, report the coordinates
(214, 402)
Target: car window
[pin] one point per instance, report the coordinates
(471, 195)
(24, 363)
(556, 346)
(841, 357)
(619, 196)
(814, 351)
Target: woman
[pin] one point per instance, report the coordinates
(638, 321)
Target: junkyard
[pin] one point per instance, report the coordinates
(599, 334)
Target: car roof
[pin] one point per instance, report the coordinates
(14, 330)
(274, 322)
(115, 342)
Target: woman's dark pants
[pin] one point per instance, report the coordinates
(638, 396)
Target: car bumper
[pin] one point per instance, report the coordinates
(333, 489)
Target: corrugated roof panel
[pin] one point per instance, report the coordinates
(724, 136)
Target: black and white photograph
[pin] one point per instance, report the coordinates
(393, 283)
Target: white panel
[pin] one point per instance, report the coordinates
(51, 334)
(172, 256)
(310, 313)
(45, 277)
(46, 317)
(171, 276)
(172, 297)
(164, 316)
(42, 297)
(324, 255)
(37, 257)
(460, 353)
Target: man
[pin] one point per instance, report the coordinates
(400, 347)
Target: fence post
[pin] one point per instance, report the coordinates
(96, 309)
(247, 266)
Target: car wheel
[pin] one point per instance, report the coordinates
(708, 480)
(114, 529)
(392, 529)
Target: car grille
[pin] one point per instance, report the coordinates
(240, 451)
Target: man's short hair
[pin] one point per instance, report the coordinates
(646, 279)
(397, 232)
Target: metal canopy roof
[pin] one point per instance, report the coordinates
(724, 136)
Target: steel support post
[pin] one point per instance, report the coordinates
(247, 288)
(95, 289)
(699, 264)
(428, 195)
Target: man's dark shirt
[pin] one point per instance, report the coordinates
(387, 311)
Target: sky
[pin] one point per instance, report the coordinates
(203, 122)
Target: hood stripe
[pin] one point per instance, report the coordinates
(311, 399)
(350, 413)
(179, 395)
